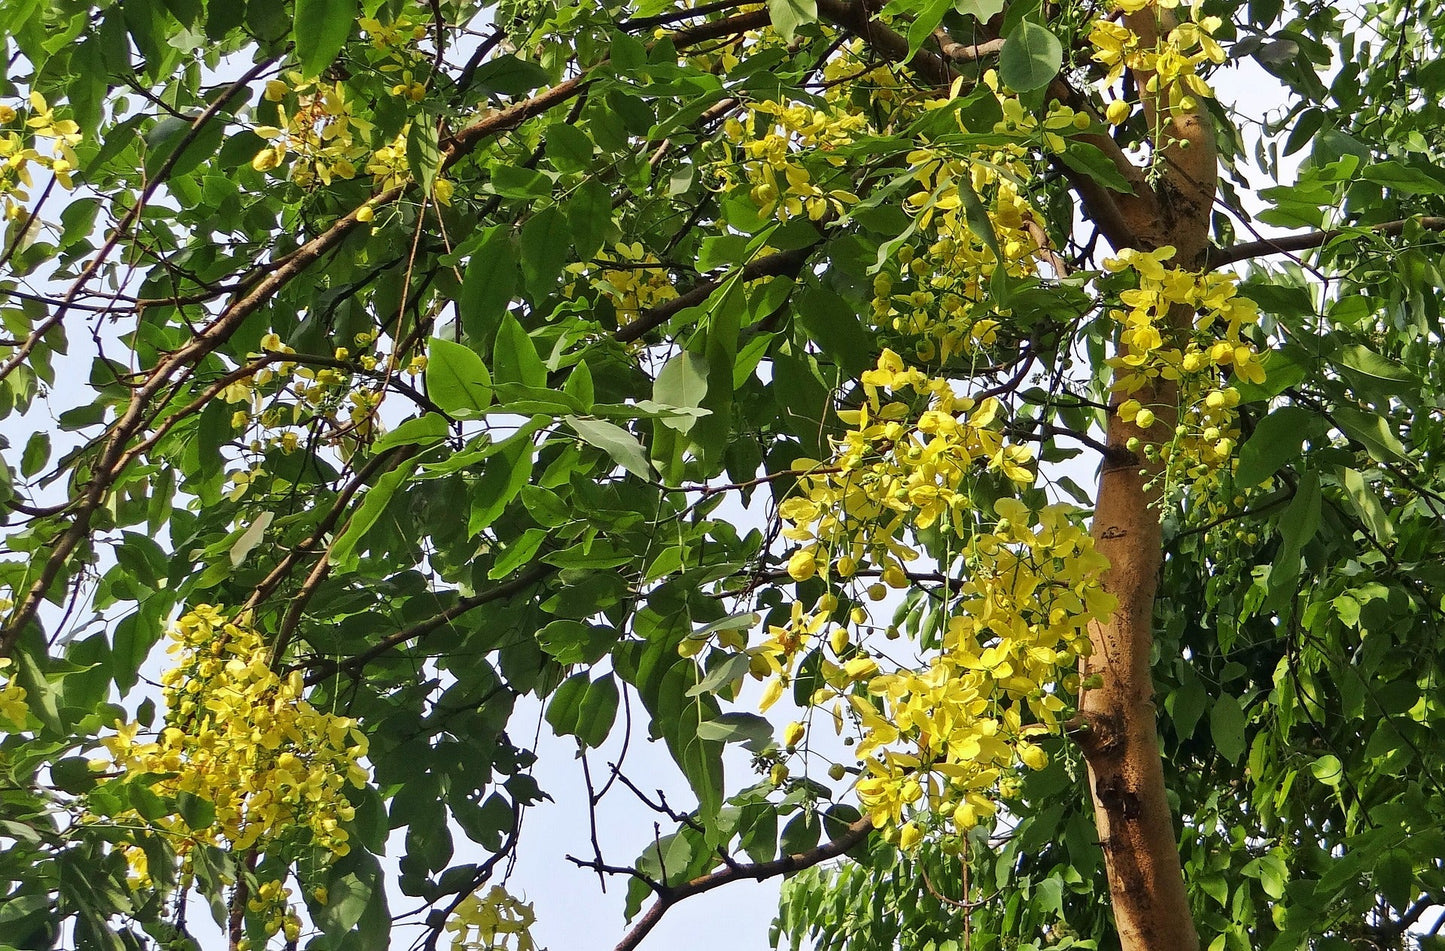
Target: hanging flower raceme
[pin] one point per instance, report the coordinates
(901, 466)
(241, 738)
(492, 922)
(20, 152)
(947, 739)
(1201, 358)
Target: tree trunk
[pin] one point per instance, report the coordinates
(1119, 736)
(1119, 740)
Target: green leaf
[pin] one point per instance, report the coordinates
(1030, 58)
(749, 729)
(925, 21)
(545, 239)
(1395, 877)
(681, 384)
(510, 76)
(1367, 505)
(1276, 441)
(801, 833)
(789, 15)
(488, 284)
(565, 707)
(37, 453)
(1364, 360)
(512, 181)
(1373, 430)
(568, 147)
(1297, 526)
(320, 31)
(573, 642)
(372, 505)
(517, 553)
(617, 442)
(598, 711)
(981, 10)
(1404, 178)
(1226, 726)
(515, 356)
(423, 154)
(508, 469)
(1186, 705)
(457, 382)
(347, 895)
(1328, 769)
(427, 430)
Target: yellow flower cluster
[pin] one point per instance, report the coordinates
(398, 32)
(18, 153)
(901, 466)
(784, 184)
(298, 394)
(329, 141)
(948, 739)
(1195, 359)
(942, 740)
(631, 277)
(242, 738)
(1173, 62)
(937, 292)
(321, 129)
(492, 923)
(12, 696)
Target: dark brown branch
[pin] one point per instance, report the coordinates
(772, 265)
(758, 871)
(324, 667)
(1310, 240)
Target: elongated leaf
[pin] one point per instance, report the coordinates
(423, 154)
(370, 509)
(1374, 431)
(682, 384)
(320, 30)
(1226, 727)
(598, 711)
(617, 442)
(515, 357)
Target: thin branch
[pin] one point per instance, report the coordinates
(1310, 240)
(323, 667)
(668, 896)
(772, 265)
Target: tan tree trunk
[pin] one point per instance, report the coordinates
(1119, 737)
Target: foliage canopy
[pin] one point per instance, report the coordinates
(375, 369)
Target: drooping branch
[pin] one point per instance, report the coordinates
(758, 871)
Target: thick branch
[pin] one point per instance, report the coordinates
(758, 871)
(854, 17)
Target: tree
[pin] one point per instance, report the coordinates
(392, 363)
